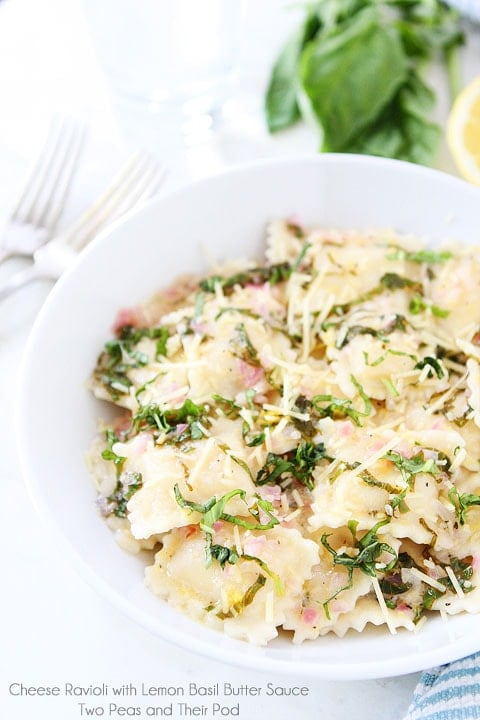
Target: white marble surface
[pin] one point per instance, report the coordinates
(54, 628)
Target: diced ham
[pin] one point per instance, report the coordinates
(121, 423)
(190, 530)
(405, 449)
(198, 327)
(139, 444)
(251, 374)
(345, 428)
(254, 545)
(128, 317)
(271, 493)
(309, 616)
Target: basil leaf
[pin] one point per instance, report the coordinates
(281, 107)
(349, 76)
(403, 130)
(357, 77)
(427, 27)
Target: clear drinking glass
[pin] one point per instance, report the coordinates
(170, 57)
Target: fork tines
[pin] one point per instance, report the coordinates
(136, 182)
(46, 189)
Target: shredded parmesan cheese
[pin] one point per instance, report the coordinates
(383, 607)
(427, 579)
(316, 414)
(454, 581)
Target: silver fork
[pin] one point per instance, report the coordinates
(138, 181)
(36, 214)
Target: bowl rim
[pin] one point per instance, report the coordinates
(310, 668)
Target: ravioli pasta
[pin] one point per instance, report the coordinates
(297, 443)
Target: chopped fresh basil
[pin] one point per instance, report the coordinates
(242, 311)
(393, 585)
(130, 336)
(393, 281)
(433, 363)
(305, 426)
(224, 555)
(462, 502)
(412, 466)
(109, 454)
(220, 553)
(418, 304)
(279, 589)
(161, 346)
(249, 397)
(195, 432)
(273, 274)
(243, 346)
(254, 276)
(462, 570)
(127, 485)
(399, 324)
(153, 417)
(338, 408)
(247, 599)
(120, 355)
(229, 407)
(397, 495)
(419, 256)
(239, 461)
(389, 351)
(199, 304)
(388, 281)
(390, 387)
(368, 549)
(296, 264)
(214, 510)
(251, 438)
(355, 330)
(299, 464)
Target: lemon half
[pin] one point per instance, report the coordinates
(463, 132)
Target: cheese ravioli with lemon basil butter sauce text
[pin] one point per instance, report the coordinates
(297, 441)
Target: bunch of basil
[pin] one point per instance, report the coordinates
(354, 69)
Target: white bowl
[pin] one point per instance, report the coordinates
(225, 215)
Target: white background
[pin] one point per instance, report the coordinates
(54, 628)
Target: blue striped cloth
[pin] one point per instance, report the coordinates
(449, 692)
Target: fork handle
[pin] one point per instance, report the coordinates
(19, 280)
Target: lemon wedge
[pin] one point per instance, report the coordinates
(463, 132)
